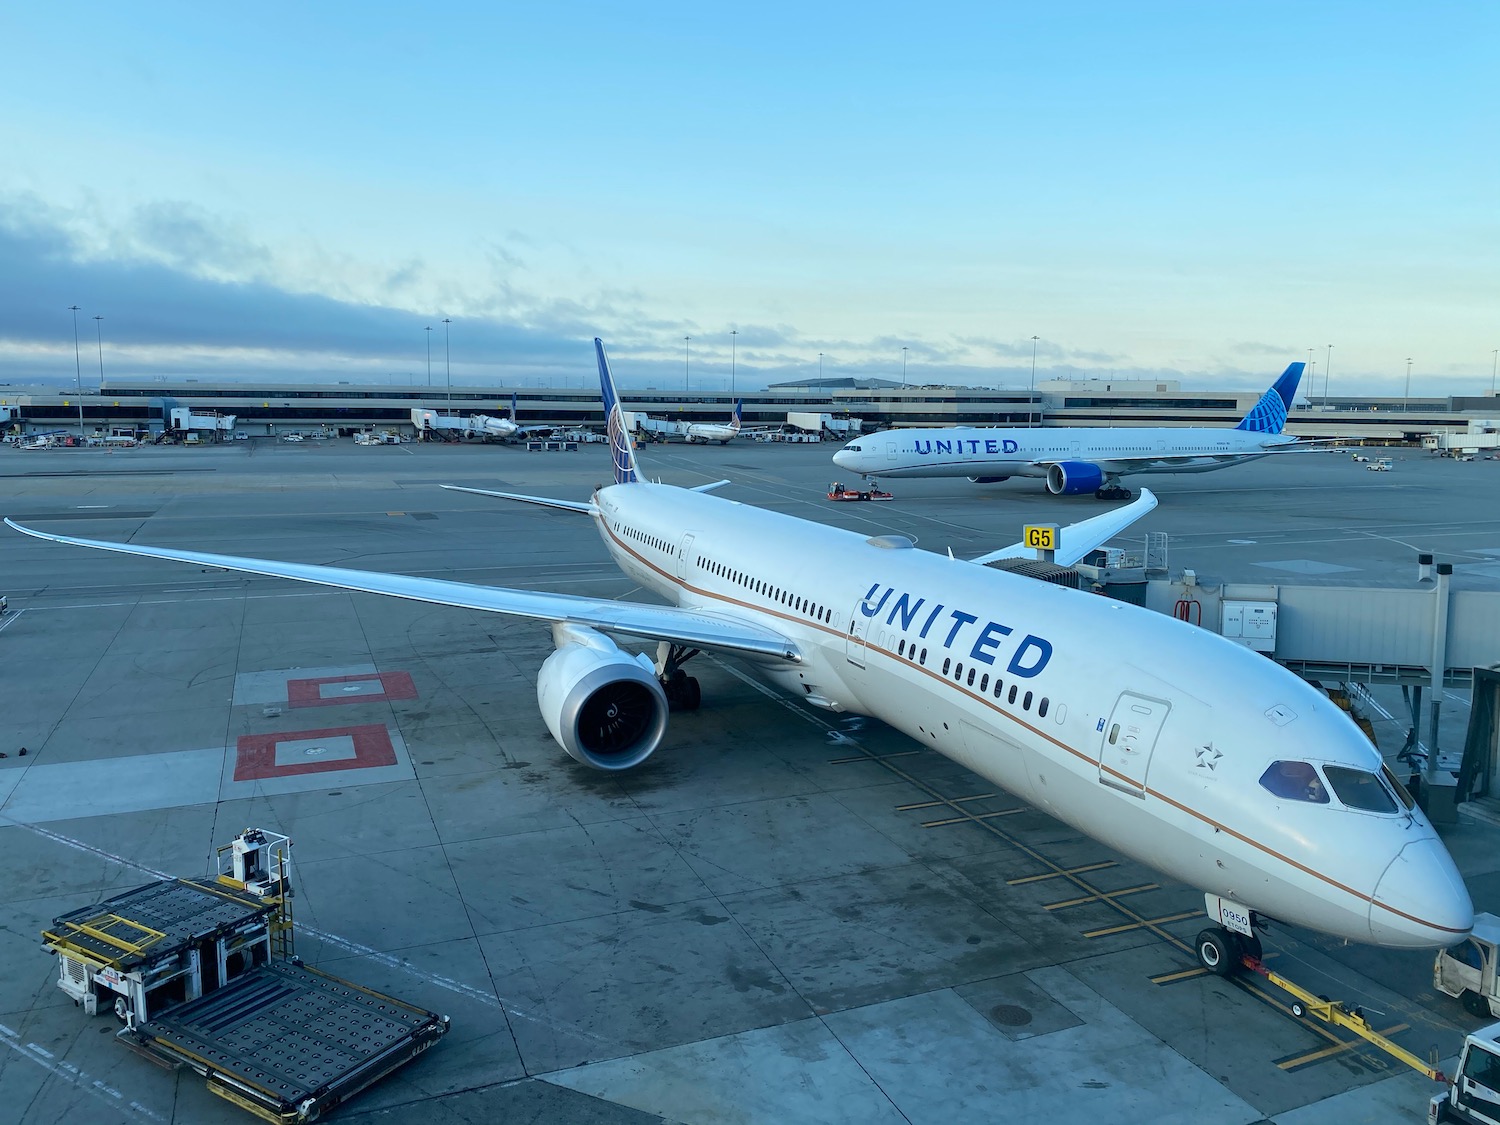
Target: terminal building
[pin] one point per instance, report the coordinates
(145, 405)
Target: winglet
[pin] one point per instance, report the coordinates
(622, 453)
(1268, 416)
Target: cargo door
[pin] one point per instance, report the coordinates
(1127, 741)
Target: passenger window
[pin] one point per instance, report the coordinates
(946, 663)
(1295, 781)
(999, 684)
(1026, 702)
(1360, 790)
(971, 677)
(984, 682)
(1041, 707)
(1114, 733)
(923, 658)
(1012, 697)
(958, 671)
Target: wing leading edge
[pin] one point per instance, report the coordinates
(698, 628)
(1078, 539)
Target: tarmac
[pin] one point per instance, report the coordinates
(785, 915)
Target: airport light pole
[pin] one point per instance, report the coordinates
(99, 335)
(77, 370)
(427, 331)
(903, 367)
(734, 334)
(1031, 405)
(1494, 365)
(686, 343)
(1406, 398)
(448, 362)
(820, 365)
(1327, 371)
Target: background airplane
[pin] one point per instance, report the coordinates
(1075, 459)
(1163, 741)
(715, 431)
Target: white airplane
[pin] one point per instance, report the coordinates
(1162, 741)
(1076, 459)
(505, 429)
(714, 431)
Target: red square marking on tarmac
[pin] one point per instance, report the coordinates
(255, 754)
(330, 691)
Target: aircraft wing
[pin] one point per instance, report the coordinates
(698, 628)
(1078, 539)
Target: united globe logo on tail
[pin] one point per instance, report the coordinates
(621, 452)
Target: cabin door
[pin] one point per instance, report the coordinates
(890, 451)
(684, 556)
(1127, 740)
(858, 637)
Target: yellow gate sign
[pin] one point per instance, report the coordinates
(1040, 537)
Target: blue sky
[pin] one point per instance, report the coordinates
(1201, 192)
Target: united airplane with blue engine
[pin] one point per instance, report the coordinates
(1076, 459)
(1159, 739)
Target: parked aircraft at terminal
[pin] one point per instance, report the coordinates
(1076, 459)
(1161, 740)
(715, 431)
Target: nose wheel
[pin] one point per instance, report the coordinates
(1223, 952)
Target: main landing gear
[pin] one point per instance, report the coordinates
(682, 690)
(1221, 950)
(1112, 490)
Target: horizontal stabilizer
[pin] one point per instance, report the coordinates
(1078, 539)
(544, 501)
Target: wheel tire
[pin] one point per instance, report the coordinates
(1216, 952)
(1475, 1004)
(692, 694)
(1297, 1009)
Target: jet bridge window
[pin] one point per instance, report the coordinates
(1360, 790)
(1295, 781)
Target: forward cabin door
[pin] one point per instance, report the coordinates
(854, 643)
(685, 554)
(1127, 741)
(890, 451)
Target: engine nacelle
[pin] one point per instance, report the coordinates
(988, 480)
(1069, 478)
(603, 706)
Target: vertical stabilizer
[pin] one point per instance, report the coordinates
(1268, 416)
(513, 416)
(739, 409)
(622, 453)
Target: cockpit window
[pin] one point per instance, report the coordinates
(1400, 790)
(855, 448)
(1360, 790)
(1295, 781)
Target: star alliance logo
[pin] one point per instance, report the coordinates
(1208, 757)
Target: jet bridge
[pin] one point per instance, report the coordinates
(202, 974)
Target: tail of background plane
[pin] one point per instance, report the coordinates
(1268, 416)
(513, 416)
(622, 453)
(739, 410)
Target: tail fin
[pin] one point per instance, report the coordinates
(1268, 416)
(621, 451)
(739, 410)
(513, 416)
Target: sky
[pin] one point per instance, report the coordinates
(1201, 192)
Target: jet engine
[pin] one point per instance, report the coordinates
(1069, 478)
(988, 480)
(603, 706)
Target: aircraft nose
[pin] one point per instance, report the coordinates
(1421, 901)
(844, 459)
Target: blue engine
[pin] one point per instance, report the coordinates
(1069, 478)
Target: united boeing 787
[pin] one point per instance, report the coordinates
(1159, 739)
